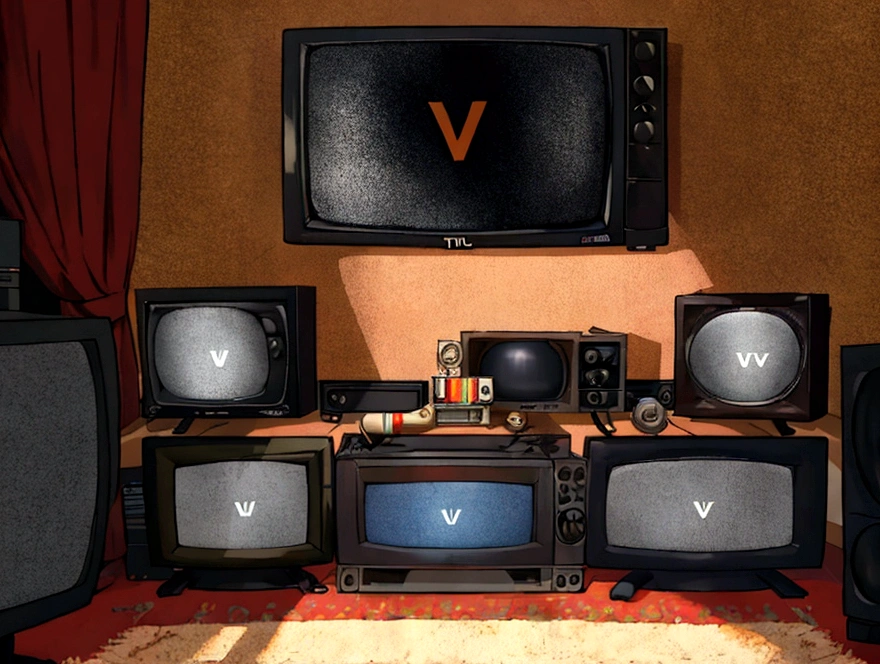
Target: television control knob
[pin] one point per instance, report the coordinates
(592, 356)
(644, 85)
(644, 51)
(564, 474)
(643, 131)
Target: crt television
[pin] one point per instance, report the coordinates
(752, 355)
(706, 513)
(227, 352)
(461, 137)
(459, 514)
(238, 512)
(561, 372)
(59, 436)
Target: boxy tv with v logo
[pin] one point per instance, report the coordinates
(227, 352)
(448, 513)
(238, 513)
(706, 513)
(466, 137)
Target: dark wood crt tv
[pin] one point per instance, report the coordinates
(466, 137)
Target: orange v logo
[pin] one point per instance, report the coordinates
(458, 145)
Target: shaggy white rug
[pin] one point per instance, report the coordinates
(473, 642)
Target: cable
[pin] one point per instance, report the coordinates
(689, 433)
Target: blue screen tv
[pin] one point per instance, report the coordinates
(449, 513)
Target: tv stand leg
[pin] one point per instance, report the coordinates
(174, 586)
(781, 584)
(306, 581)
(630, 585)
(783, 428)
(183, 426)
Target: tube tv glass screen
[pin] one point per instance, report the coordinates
(449, 515)
(211, 353)
(241, 505)
(433, 136)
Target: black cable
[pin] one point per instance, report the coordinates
(600, 425)
(689, 433)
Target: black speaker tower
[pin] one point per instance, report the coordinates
(10, 264)
(860, 387)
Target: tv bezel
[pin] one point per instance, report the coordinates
(807, 456)
(808, 314)
(96, 337)
(354, 473)
(162, 455)
(300, 228)
(300, 384)
(569, 402)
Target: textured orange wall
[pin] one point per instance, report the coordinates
(773, 166)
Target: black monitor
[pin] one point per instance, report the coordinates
(708, 512)
(240, 513)
(487, 136)
(227, 352)
(59, 409)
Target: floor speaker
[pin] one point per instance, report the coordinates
(59, 436)
(10, 264)
(860, 401)
(752, 356)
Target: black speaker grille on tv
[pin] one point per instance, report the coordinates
(241, 505)
(211, 353)
(377, 156)
(700, 505)
(49, 443)
(746, 357)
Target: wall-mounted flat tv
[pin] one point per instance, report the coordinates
(466, 137)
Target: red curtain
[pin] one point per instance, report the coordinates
(71, 108)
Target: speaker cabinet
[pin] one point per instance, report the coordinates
(752, 355)
(10, 264)
(59, 433)
(860, 383)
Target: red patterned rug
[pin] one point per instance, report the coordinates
(125, 604)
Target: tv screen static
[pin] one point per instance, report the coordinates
(457, 136)
(208, 353)
(449, 515)
(241, 505)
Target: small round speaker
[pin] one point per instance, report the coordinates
(649, 416)
(745, 357)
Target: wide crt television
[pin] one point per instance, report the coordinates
(706, 513)
(461, 137)
(227, 352)
(449, 513)
(257, 506)
(59, 440)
